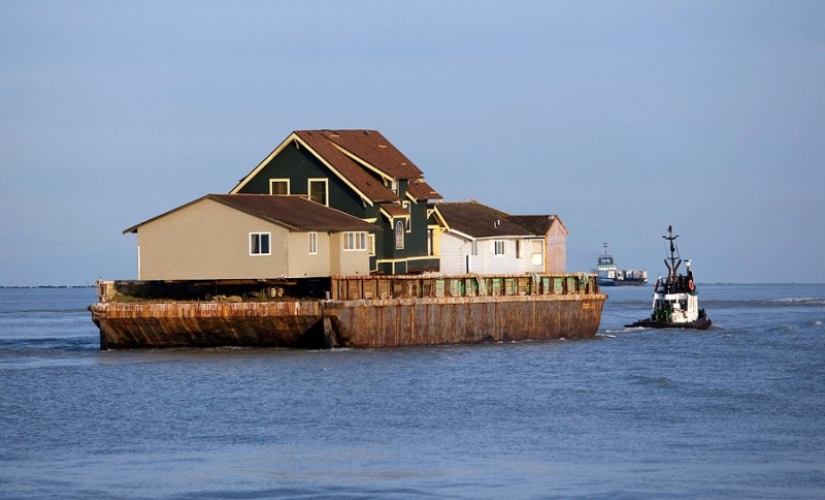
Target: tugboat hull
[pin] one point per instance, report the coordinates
(702, 323)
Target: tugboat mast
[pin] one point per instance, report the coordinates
(673, 265)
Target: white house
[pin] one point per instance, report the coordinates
(479, 239)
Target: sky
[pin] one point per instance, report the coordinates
(620, 117)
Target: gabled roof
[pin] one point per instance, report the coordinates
(478, 221)
(372, 148)
(295, 213)
(538, 224)
(357, 157)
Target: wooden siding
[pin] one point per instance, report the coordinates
(556, 252)
(455, 250)
(209, 240)
(298, 165)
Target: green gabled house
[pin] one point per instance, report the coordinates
(361, 173)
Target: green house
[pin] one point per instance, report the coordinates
(361, 173)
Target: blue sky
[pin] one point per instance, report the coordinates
(622, 117)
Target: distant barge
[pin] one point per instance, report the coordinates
(352, 311)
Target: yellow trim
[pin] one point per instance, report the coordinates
(393, 261)
(408, 207)
(364, 163)
(281, 179)
(293, 137)
(436, 239)
(411, 197)
(325, 180)
(440, 218)
(391, 218)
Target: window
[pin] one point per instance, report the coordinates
(371, 243)
(474, 248)
(278, 186)
(537, 257)
(259, 244)
(318, 191)
(313, 243)
(399, 235)
(499, 247)
(406, 206)
(355, 240)
(518, 249)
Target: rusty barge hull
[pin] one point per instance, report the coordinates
(365, 313)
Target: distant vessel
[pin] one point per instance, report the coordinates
(608, 275)
(675, 302)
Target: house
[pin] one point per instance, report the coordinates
(555, 239)
(480, 239)
(361, 173)
(221, 236)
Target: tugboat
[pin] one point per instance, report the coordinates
(675, 303)
(607, 274)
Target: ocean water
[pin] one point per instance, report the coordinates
(737, 411)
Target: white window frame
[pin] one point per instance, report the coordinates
(286, 181)
(399, 235)
(406, 206)
(537, 256)
(313, 243)
(326, 188)
(355, 241)
(371, 244)
(499, 245)
(256, 240)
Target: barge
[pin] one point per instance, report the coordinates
(347, 311)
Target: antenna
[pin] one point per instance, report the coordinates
(673, 265)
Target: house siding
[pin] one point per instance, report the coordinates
(556, 257)
(455, 250)
(183, 246)
(208, 240)
(347, 263)
(299, 165)
(303, 264)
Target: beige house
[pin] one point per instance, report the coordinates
(251, 236)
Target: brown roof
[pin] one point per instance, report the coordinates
(479, 221)
(292, 212)
(362, 180)
(395, 210)
(360, 157)
(422, 191)
(538, 224)
(373, 148)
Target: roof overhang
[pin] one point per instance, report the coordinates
(294, 138)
